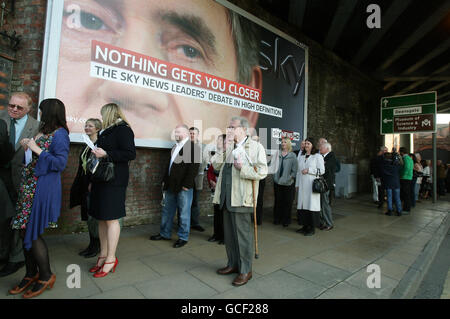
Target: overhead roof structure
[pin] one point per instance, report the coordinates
(410, 53)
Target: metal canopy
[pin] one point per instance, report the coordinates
(409, 54)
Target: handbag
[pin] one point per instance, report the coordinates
(319, 184)
(417, 174)
(103, 171)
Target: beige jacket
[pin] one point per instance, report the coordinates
(241, 187)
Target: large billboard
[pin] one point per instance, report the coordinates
(166, 62)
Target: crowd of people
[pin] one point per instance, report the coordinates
(403, 179)
(33, 155)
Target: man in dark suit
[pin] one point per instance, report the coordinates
(20, 125)
(326, 217)
(178, 187)
(6, 186)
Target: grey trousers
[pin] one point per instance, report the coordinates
(326, 217)
(238, 238)
(11, 247)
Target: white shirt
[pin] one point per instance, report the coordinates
(325, 155)
(177, 150)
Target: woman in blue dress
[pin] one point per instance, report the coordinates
(39, 203)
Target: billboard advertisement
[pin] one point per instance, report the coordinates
(196, 62)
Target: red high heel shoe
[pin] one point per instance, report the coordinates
(97, 268)
(101, 273)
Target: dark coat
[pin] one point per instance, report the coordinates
(108, 199)
(184, 168)
(376, 166)
(330, 170)
(30, 130)
(79, 190)
(6, 185)
(391, 172)
(6, 149)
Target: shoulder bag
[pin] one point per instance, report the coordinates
(103, 171)
(319, 184)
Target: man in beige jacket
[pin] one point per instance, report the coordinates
(243, 162)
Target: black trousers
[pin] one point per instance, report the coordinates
(405, 194)
(259, 203)
(381, 191)
(308, 218)
(218, 222)
(284, 197)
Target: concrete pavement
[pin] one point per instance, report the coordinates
(327, 265)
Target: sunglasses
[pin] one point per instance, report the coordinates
(14, 106)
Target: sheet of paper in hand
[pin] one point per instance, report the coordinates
(28, 156)
(88, 141)
(240, 154)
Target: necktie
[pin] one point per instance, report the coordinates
(12, 132)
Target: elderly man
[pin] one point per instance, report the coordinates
(178, 185)
(239, 169)
(322, 141)
(20, 126)
(326, 218)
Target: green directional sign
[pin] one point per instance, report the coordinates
(407, 114)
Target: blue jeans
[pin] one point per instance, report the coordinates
(183, 201)
(416, 191)
(413, 192)
(195, 211)
(397, 200)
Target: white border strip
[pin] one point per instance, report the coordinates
(50, 55)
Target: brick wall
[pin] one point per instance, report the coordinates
(342, 106)
(29, 23)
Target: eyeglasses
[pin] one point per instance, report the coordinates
(232, 127)
(15, 106)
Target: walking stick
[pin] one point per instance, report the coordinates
(254, 209)
(254, 219)
(255, 223)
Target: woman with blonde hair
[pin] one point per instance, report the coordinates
(283, 183)
(79, 192)
(116, 144)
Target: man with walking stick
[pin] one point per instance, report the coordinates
(241, 164)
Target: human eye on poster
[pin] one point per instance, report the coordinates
(196, 62)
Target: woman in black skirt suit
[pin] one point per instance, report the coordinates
(116, 140)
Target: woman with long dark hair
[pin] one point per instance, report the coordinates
(39, 203)
(115, 141)
(310, 164)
